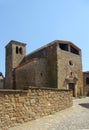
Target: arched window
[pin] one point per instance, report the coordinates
(87, 81)
(20, 50)
(16, 49)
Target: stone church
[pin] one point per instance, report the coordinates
(55, 65)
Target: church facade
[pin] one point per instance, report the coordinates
(56, 65)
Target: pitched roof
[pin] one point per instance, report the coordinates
(15, 42)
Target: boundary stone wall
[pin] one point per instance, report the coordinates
(19, 106)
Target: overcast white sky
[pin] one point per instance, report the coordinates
(38, 22)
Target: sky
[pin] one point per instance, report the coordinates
(38, 22)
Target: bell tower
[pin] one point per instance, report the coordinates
(15, 52)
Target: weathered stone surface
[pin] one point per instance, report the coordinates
(22, 106)
(65, 69)
(86, 83)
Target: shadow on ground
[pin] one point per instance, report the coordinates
(86, 105)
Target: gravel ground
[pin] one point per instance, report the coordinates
(74, 118)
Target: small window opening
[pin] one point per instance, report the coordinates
(73, 50)
(16, 49)
(71, 73)
(70, 63)
(20, 50)
(63, 47)
(87, 81)
(41, 74)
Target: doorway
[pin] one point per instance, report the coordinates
(72, 87)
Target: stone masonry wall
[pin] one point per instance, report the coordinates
(86, 86)
(13, 59)
(33, 73)
(64, 68)
(25, 75)
(18, 106)
(49, 53)
(1, 84)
